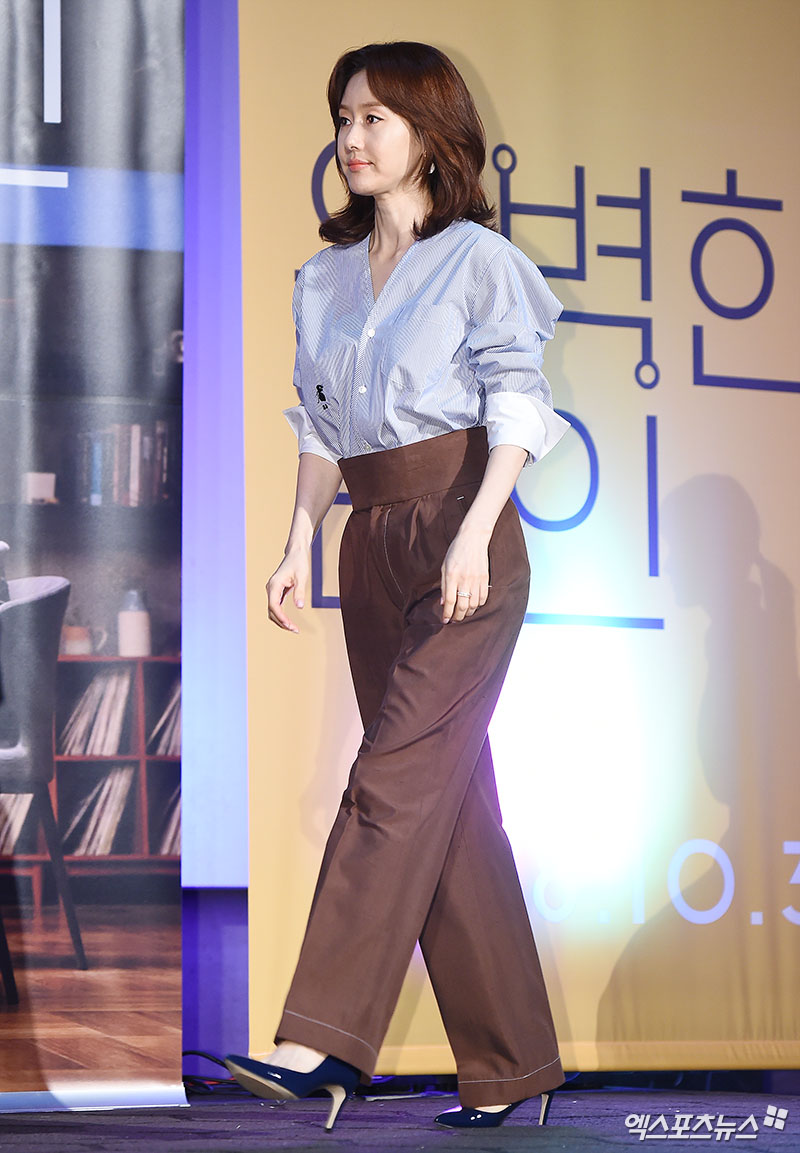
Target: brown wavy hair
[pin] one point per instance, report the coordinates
(422, 85)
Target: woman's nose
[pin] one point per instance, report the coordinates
(353, 138)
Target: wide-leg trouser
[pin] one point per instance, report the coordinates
(418, 850)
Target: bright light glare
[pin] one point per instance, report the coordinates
(568, 740)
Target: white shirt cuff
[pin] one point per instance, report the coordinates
(526, 421)
(307, 438)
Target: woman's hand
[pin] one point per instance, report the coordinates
(291, 574)
(465, 574)
(318, 481)
(466, 565)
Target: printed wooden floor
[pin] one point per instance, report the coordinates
(127, 1005)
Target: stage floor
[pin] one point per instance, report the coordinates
(133, 1017)
(592, 1121)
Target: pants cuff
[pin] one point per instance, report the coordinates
(328, 1039)
(494, 1091)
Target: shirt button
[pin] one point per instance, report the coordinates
(362, 388)
(370, 332)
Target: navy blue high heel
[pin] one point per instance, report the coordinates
(278, 1084)
(479, 1119)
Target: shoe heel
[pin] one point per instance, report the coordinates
(338, 1097)
(544, 1108)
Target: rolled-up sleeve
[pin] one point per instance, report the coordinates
(525, 421)
(307, 438)
(513, 314)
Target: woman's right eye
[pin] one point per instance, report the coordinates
(342, 121)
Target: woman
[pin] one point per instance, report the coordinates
(420, 334)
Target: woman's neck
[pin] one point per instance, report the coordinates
(396, 218)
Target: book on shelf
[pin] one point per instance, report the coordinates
(133, 465)
(14, 808)
(165, 739)
(170, 845)
(96, 818)
(94, 727)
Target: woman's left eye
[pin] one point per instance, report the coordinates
(373, 119)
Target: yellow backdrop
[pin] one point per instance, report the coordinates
(647, 739)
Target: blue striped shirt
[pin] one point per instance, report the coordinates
(454, 339)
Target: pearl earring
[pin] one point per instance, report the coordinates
(432, 168)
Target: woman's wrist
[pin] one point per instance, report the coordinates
(297, 543)
(479, 529)
(504, 466)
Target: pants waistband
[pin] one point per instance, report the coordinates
(413, 470)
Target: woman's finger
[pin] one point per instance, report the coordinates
(472, 605)
(279, 617)
(464, 600)
(451, 608)
(448, 601)
(278, 587)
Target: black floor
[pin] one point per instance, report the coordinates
(582, 1121)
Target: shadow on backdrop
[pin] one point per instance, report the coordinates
(730, 981)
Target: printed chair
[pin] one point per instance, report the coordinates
(30, 631)
(7, 968)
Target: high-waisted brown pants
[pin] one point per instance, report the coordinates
(418, 851)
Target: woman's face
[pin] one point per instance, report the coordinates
(378, 151)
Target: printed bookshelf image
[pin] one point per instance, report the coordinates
(95, 725)
(165, 739)
(96, 816)
(14, 808)
(117, 785)
(170, 841)
(133, 465)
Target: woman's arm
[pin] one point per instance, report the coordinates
(318, 482)
(466, 565)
